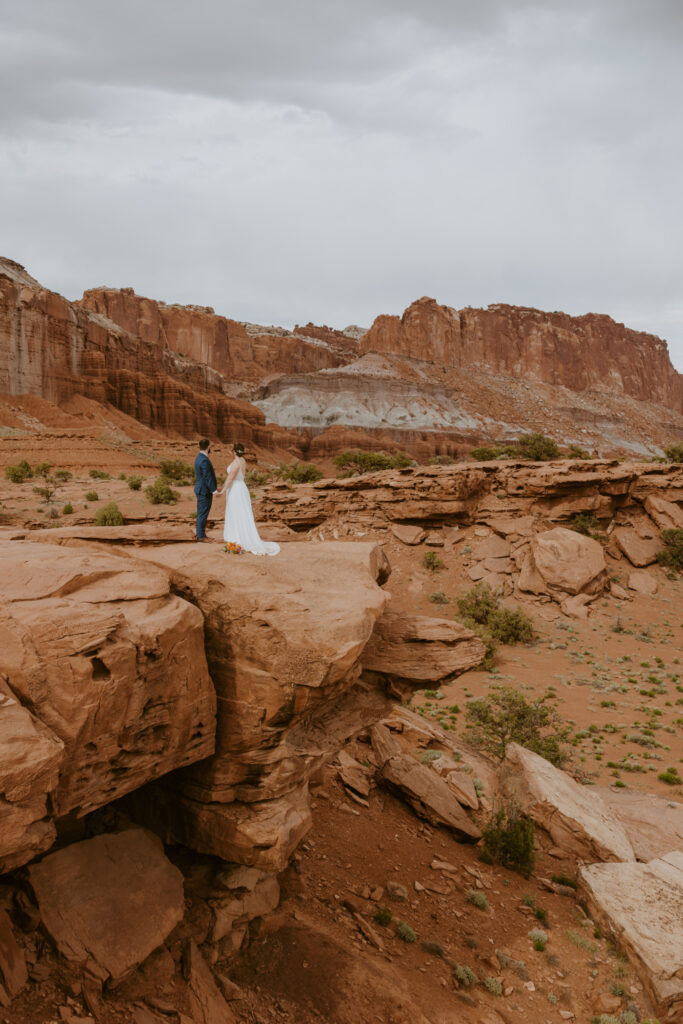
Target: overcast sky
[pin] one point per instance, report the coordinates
(287, 160)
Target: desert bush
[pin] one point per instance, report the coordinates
(477, 899)
(576, 452)
(256, 477)
(298, 472)
(161, 492)
(508, 839)
(506, 716)
(63, 475)
(20, 473)
(671, 554)
(674, 452)
(135, 482)
(99, 474)
(405, 932)
(442, 460)
(109, 515)
(92, 496)
(537, 447)
(465, 975)
(42, 469)
(438, 597)
(67, 509)
(671, 777)
(181, 473)
(383, 915)
(432, 561)
(486, 453)
(584, 523)
(480, 606)
(356, 462)
(538, 939)
(122, 476)
(494, 986)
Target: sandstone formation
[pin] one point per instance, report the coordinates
(13, 973)
(418, 650)
(561, 561)
(641, 905)
(583, 353)
(104, 686)
(578, 822)
(653, 824)
(109, 901)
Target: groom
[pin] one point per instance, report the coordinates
(205, 486)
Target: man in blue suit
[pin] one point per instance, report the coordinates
(205, 487)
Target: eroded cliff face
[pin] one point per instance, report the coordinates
(590, 352)
(239, 352)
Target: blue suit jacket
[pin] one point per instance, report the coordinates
(205, 478)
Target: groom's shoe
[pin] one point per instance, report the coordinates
(202, 540)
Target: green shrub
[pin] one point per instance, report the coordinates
(181, 473)
(465, 975)
(432, 561)
(585, 523)
(537, 447)
(298, 472)
(122, 476)
(42, 468)
(63, 475)
(538, 939)
(67, 509)
(109, 515)
(356, 462)
(509, 840)
(671, 777)
(674, 452)
(506, 716)
(671, 554)
(161, 492)
(481, 606)
(20, 473)
(438, 597)
(405, 932)
(494, 986)
(427, 756)
(256, 477)
(486, 453)
(510, 626)
(48, 490)
(477, 899)
(442, 460)
(99, 474)
(92, 496)
(576, 452)
(135, 482)
(383, 915)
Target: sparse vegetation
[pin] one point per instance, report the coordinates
(256, 477)
(135, 482)
(535, 447)
(480, 607)
(442, 460)
(92, 496)
(674, 452)
(575, 451)
(67, 509)
(477, 899)
(109, 515)
(564, 880)
(298, 472)
(538, 939)
(506, 716)
(509, 840)
(671, 554)
(438, 597)
(585, 523)
(465, 975)
(63, 475)
(161, 492)
(486, 453)
(580, 941)
(671, 777)
(432, 561)
(99, 474)
(20, 473)
(179, 472)
(357, 462)
(383, 916)
(405, 932)
(494, 986)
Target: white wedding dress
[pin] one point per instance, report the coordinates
(240, 527)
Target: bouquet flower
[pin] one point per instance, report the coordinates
(232, 549)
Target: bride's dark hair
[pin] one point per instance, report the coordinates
(238, 448)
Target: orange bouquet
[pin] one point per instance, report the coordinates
(232, 549)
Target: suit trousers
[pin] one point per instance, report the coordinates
(204, 501)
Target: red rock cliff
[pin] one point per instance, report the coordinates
(224, 344)
(585, 353)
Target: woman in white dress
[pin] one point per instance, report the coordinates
(240, 527)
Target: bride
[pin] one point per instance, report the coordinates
(240, 527)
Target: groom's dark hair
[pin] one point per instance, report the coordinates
(204, 444)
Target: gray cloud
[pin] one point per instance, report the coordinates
(335, 160)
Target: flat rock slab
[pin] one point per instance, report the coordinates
(578, 821)
(420, 649)
(408, 534)
(642, 582)
(640, 551)
(108, 902)
(654, 824)
(430, 796)
(666, 514)
(642, 906)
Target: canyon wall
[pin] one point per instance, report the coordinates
(239, 353)
(584, 353)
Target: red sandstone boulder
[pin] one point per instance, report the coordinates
(639, 549)
(420, 650)
(563, 562)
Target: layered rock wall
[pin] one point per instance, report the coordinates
(585, 353)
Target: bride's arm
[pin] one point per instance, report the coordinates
(232, 473)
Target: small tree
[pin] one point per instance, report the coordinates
(537, 447)
(506, 716)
